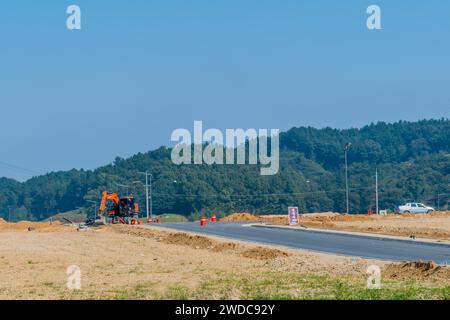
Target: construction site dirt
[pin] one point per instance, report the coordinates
(149, 263)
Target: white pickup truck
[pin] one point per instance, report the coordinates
(414, 207)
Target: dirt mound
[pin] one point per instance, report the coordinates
(321, 215)
(332, 217)
(312, 218)
(416, 270)
(322, 219)
(225, 246)
(177, 238)
(30, 226)
(262, 253)
(241, 217)
(2, 221)
(134, 231)
(198, 242)
(201, 242)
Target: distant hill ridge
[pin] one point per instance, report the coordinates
(412, 159)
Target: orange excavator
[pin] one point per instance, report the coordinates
(121, 210)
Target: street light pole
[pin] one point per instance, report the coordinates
(346, 148)
(146, 193)
(346, 181)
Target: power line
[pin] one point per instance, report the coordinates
(181, 195)
(18, 168)
(259, 195)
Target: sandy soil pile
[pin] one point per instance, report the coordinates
(193, 241)
(417, 270)
(29, 226)
(263, 253)
(241, 217)
(322, 215)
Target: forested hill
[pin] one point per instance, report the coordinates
(413, 161)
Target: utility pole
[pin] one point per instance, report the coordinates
(438, 202)
(439, 199)
(346, 148)
(151, 197)
(147, 196)
(9, 214)
(376, 191)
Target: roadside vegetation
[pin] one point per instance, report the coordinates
(278, 286)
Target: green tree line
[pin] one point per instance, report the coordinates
(412, 158)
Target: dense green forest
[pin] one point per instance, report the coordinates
(413, 161)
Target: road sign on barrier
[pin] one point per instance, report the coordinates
(293, 215)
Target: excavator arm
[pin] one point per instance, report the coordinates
(108, 196)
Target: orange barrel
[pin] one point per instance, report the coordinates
(203, 221)
(213, 217)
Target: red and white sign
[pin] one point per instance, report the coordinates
(293, 215)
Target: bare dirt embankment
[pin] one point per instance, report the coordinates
(134, 262)
(27, 226)
(433, 226)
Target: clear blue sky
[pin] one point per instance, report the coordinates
(140, 69)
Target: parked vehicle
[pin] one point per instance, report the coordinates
(414, 207)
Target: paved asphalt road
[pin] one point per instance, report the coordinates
(342, 244)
